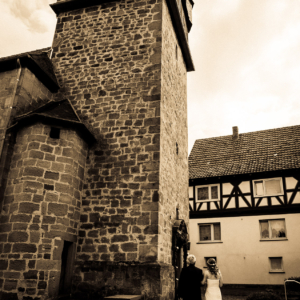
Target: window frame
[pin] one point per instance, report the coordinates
(209, 192)
(212, 241)
(269, 227)
(276, 270)
(264, 187)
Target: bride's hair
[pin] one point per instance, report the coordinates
(212, 267)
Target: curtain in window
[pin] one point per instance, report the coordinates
(276, 263)
(277, 228)
(203, 193)
(205, 233)
(273, 187)
(264, 227)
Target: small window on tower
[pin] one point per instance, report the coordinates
(55, 133)
(177, 149)
(176, 53)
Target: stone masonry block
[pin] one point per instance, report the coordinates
(33, 171)
(57, 209)
(28, 208)
(24, 248)
(17, 265)
(18, 236)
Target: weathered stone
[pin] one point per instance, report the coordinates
(57, 209)
(22, 247)
(18, 236)
(17, 265)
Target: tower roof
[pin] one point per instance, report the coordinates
(56, 113)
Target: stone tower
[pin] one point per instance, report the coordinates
(122, 64)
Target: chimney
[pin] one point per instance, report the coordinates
(235, 133)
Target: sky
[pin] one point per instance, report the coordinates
(246, 55)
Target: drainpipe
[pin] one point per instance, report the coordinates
(6, 139)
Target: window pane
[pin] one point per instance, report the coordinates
(273, 187)
(203, 193)
(277, 228)
(276, 263)
(217, 232)
(264, 227)
(214, 192)
(205, 233)
(259, 188)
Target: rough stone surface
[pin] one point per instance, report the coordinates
(32, 213)
(121, 66)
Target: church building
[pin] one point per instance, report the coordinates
(94, 167)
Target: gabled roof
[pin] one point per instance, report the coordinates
(57, 114)
(38, 62)
(253, 152)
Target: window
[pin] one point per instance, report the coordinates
(208, 193)
(272, 229)
(268, 187)
(54, 133)
(207, 258)
(210, 232)
(276, 264)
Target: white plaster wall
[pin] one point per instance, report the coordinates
(242, 257)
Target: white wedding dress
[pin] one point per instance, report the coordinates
(213, 291)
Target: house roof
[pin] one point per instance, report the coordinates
(38, 62)
(253, 152)
(57, 114)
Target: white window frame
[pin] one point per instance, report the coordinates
(276, 270)
(264, 187)
(209, 192)
(269, 225)
(212, 233)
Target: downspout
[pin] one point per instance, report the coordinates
(7, 138)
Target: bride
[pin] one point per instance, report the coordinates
(213, 280)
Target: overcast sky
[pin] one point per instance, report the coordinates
(246, 54)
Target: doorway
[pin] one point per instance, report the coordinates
(67, 259)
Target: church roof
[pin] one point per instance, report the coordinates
(38, 62)
(57, 114)
(253, 152)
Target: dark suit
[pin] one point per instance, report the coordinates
(190, 283)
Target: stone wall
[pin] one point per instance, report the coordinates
(41, 210)
(20, 91)
(173, 179)
(108, 63)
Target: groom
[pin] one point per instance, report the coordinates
(190, 281)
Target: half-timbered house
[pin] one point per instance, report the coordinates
(244, 195)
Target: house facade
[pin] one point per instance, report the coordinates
(245, 205)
